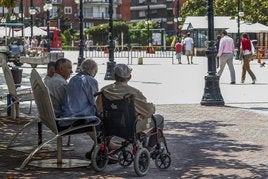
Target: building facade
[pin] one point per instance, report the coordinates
(157, 10)
(65, 13)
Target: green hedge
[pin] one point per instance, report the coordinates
(70, 48)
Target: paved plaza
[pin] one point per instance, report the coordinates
(204, 141)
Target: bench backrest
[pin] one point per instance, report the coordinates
(119, 117)
(9, 79)
(43, 102)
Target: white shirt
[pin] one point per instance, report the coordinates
(188, 41)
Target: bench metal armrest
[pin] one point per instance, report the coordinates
(94, 119)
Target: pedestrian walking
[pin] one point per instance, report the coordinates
(226, 55)
(246, 51)
(217, 44)
(178, 49)
(189, 47)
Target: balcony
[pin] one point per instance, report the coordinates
(56, 2)
(152, 6)
(104, 16)
(116, 2)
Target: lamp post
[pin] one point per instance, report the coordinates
(111, 63)
(21, 16)
(47, 8)
(32, 12)
(148, 21)
(81, 36)
(239, 14)
(212, 94)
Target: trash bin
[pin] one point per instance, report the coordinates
(17, 76)
(140, 61)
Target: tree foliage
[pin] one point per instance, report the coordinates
(99, 33)
(139, 32)
(67, 37)
(7, 3)
(254, 10)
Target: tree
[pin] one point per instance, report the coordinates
(67, 37)
(254, 10)
(99, 33)
(139, 32)
(8, 4)
(194, 8)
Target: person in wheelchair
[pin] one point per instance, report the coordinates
(145, 110)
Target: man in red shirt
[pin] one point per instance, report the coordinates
(178, 48)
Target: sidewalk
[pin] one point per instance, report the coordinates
(205, 142)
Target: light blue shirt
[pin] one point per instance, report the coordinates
(79, 99)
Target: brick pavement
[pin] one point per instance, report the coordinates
(205, 142)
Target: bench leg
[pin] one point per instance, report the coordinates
(59, 150)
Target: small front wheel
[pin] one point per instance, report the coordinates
(142, 162)
(99, 158)
(162, 161)
(125, 158)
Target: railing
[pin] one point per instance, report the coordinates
(134, 52)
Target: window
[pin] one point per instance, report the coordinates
(142, 13)
(141, 1)
(153, 11)
(67, 10)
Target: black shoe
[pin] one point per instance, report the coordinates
(232, 83)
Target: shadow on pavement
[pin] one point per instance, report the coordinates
(201, 147)
(203, 152)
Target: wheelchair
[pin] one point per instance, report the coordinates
(119, 119)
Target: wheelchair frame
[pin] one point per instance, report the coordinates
(119, 119)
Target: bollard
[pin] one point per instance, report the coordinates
(140, 61)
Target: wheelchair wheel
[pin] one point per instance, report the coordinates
(162, 161)
(125, 158)
(142, 162)
(99, 158)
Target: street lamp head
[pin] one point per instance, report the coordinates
(77, 1)
(241, 14)
(32, 11)
(12, 17)
(20, 15)
(48, 6)
(3, 20)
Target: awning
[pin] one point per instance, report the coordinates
(36, 32)
(249, 28)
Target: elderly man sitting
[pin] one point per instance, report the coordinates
(79, 98)
(120, 88)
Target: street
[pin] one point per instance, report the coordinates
(165, 83)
